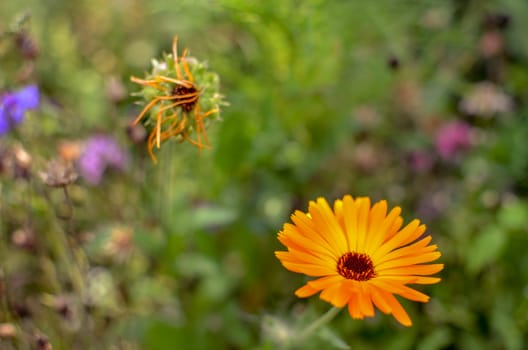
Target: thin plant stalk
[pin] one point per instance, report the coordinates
(317, 324)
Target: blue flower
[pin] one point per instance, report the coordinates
(13, 106)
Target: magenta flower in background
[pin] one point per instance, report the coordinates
(101, 152)
(452, 139)
(14, 105)
(420, 161)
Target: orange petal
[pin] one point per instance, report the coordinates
(335, 295)
(413, 229)
(427, 269)
(365, 301)
(419, 247)
(413, 260)
(392, 260)
(354, 308)
(363, 220)
(415, 235)
(350, 221)
(324, 219)
(397, 310)
(307, 269)
(391, 222)
(394, 228)
(411, 279)
(307, 228)
(338, 207)
(338, 211)
(303, 258)
(306, 291)
(292, 238)
(376, 217)
(397, 288)
(427, 280)
(379, 301)
(326, 282)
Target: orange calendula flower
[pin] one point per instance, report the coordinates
(361, 255)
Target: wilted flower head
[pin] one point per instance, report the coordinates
(181, 96)
(58, 173)
(360, 255)
(13, 106)
(486, 100)
(101, 152)
(15, 161)
(452, 139)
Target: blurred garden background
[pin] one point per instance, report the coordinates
(423, 103)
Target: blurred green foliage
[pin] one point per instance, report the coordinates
(326, 97)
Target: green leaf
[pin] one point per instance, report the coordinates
(513, 215)
(438, 339)
(487, 246)
(212, 216)
(506, 327)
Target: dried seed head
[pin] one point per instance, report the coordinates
(24, 238)
(485, 100)
(59, 173)
(22, 163)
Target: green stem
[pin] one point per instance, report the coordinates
(62, 249)
(69, 216)
(318, 323)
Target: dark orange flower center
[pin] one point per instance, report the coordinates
(188, 94)
(356, 266)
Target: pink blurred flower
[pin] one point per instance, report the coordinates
(452, 139)
(420, 161)
(101, 152)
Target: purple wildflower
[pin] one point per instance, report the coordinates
(101, 152)
(420, 161)
(453, 138)
(13, 106)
